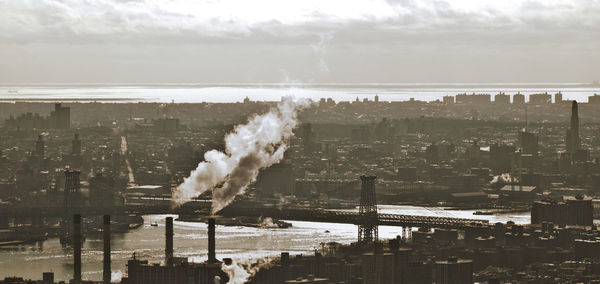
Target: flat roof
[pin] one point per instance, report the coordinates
(524, 188)
(149, 186)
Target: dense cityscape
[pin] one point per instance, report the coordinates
(87, 172)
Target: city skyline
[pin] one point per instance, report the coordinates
(299, 141)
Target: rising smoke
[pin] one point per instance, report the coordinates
(258, 144)
(319, 49)
(237, 274)
(502, 178)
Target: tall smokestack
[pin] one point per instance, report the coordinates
(76, 248)
(211, 241)
(106, 230)
(169, 241)
(285, 259)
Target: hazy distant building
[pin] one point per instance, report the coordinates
(76, 145)
(449, 100)
(361, 133)
(540, 99)
(558, 98)
(594, 100)
(439, 152)
(40, 147)
(28, 121)
(384, 130)
(308, 138)
(407, 174)
(518, 98)
(102, 190)
(473, 99)
(501, 158)
(116, 163)
(529, 143)
(276, 179)
(181, 157)
(166, 125)
(502, 98)
(61, 116)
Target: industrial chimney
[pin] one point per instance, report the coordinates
(169, 241)
(106, 276)
(211, 241)
(76, 248)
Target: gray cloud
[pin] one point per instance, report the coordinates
(229, 41)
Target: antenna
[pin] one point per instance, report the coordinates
(526, 119)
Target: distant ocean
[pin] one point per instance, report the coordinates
(219, 93)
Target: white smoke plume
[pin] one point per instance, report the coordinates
(503, 178)
(258, 144)
(319, 49)
(237, 274)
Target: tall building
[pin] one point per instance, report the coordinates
(473, 99)
(449, 100)
(594, 100)
(558, 98)
(518, 98)
(573, 140)
(529, 143)
(277, 179)
(540, 99)
(61, 116)
(502, 98)
(76, 145)
(102, 190)
(39, 147)
(116, 163)
(308, 138)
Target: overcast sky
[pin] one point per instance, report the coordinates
(310, 41)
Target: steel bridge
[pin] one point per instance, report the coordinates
(296, 214)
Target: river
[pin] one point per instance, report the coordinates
(240, 243)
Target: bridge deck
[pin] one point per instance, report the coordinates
(297, 214)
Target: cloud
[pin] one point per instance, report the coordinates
(307, 40)
(233, 19)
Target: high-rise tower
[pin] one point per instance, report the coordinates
(61, 116)
(76, 145)
(39, 147)
(573, 141)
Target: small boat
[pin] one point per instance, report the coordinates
(483, 213)
(327, 231)
(154, 224)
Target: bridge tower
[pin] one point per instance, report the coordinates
(368, 231)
